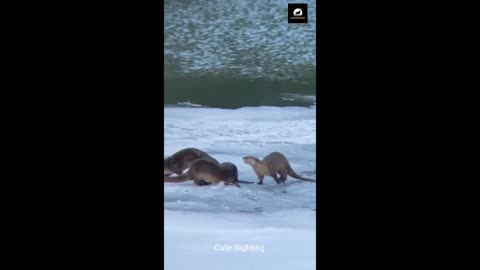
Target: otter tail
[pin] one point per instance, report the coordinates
(293, 174)
(176, 179)
(245, 182)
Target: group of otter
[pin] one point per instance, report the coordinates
(205, 170)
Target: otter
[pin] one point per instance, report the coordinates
(205, 172)
(183, 159)
(273, 164)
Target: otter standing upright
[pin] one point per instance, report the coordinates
(273, 164)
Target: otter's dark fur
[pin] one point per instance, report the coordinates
(183, 159)
(205, 172)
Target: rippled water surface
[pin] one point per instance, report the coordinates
(231, 54)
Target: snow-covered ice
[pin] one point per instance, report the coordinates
(252, 227)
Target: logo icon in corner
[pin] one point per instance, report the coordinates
(297, 13)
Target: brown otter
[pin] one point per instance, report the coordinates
(183, 159)
(205, 172)
(273, 164)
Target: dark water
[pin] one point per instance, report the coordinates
(230, 54)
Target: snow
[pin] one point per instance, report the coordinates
(252, 227)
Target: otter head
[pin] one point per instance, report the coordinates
(230, 173)
(251, 160)
(168, 166)
(166, 172)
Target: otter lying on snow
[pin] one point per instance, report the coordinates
(183, 159)
(205, 172)
(273, 164)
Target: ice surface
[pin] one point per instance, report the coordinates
(199, 221)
